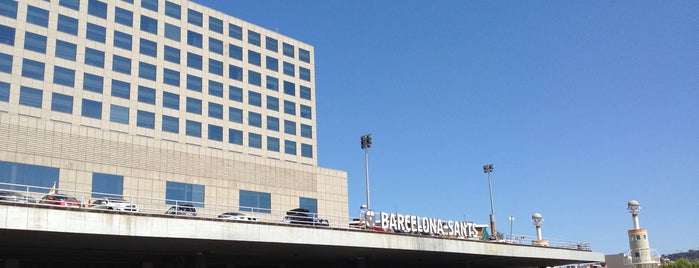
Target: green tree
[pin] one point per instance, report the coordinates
(681, 263)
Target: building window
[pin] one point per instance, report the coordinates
(107, 185)
(42, 178)
(7, 35)
(289, 127)
(5, 63)
(289, 107)
(61, 103)
(215, 67)
(254, 58)
(72, 4)
(288, 50)
(145, 119)
(194, 83)
(194, 61)
(254, 98)
(290, 147)
(63, 76)
(215, 25)
(235, 72)
(4, 91)
(146, 71)
(171, 100)
(215, 46)
(94, 57)
(215, 110)
(146, 95)
(122, 40)
(35, 42)
(119, 114)
(215, 133)
(235, 136)
(304, 74)
(235, 52)
(172, 32)
(289, 69)
(149, 25)
(272, 64)
(96, 33)
(8, 9)
(289, 88)
(67, 25)
(215, 89)
(235, 31)
(37, 16)
(272, 103)
(194, 17)
(97, 9)
(121, 89)
(121, 64)
(306, 131)
(273, 144)
(65, 50)
(272, 83)
(271, 44)
(307, 150)
(194, 39)
(177, 193)
(149, 48)
(305, 93)
(304, 55)
(150, 4)
(33, 69)
(123, 16)
(171, 77)
(193, 105)
(257, 202)
(254, 119)
(309, 203)
(91, 109)
(255, 140)
(272, 123)
(193, 128)
(172, 54)
(171, 124)
(254, 78)
(305, 111)
(253, 38)
(235, 115)
(235, 93)
(173, 10)
(94, 83)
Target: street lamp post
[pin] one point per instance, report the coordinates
(512, 219)
(366, 144)
(489, 169)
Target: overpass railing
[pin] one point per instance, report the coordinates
(179, 208)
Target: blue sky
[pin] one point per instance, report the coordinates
(581, 106)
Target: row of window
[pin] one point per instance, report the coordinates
(119, 114)
(110, 185)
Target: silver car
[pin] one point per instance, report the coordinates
(15, 197)
(114, 204)
(236, 216)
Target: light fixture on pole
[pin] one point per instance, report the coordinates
(489, 169)
(537, 220)
(512, 219)
(366, 144)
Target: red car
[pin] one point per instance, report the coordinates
(61, 200)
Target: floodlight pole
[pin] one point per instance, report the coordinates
(366, 144)
(489, 169)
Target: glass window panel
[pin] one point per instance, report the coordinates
(173, 10)
(235, 72)
(289, 107)
(215, 25)
(304, 55)
(97, 8)
(306, 150)
(194, 17)
(253, 38)
(172, 54)
(215, 110)
(235, 136)
(172, 32)
(33, 69)
(216, 46)
(215, 89)
(72, 4)
(171, 124)
(194, 83)
(63, 76)
(7, 35)
(304, 74)
(256, 202)
(145, 119)
(272, 103)
(306, 131)
(4, 91)
(121, 89)
(254, 98)
(288, 50)
(309, 203)
(235, 31)
(272, 123)
(147, 71)
(8, 9)
(255, 140)
(289, 88)
(273, 144)
(65, 50)
(235, 115)
(94, 83)
(30, 96)
(37, 16)
(254, 58)
(289, 69)
(91, 109)
(150, 4)
(96, 32)
(67, 25)
(215, 67)
(122, 40)
(40, 177)
(194, 61)
(171, 77)
(272, 83)
(290, 147)
(177, 193)
(35, 42)
(193, 105)
(235, 93)
(149, 48)
(61, 103)
(235, 52)
(215, 133)
(254, 119)
(94, 57)
(193, 129)
(271, 44)
(305, 92)
(107, 185)
(123, 16)
(121, 64)
(171, 100)
(305, 111)
(149, 25)
(146, 95)
(272, 64)
(5, 63)
(254, 78)
(119, 114)
(194, 39)
(289, 127)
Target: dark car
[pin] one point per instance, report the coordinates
(61, 200)
(303, 216)
(16, 197)
(182, 210)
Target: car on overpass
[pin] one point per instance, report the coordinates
(182, 210)
(303, 216)
(61, 200)
(114, 204)
(236, 216)
(16, 197)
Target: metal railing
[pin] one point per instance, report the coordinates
(180, 208)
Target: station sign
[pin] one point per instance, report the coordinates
(430, 226)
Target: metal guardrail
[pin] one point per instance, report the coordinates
(158, 206)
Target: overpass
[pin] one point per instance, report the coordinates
(34, 235)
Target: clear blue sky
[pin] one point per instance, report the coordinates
(581, 106)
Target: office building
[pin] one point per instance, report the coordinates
(160, 99)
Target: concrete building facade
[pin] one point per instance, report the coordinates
(160, 99)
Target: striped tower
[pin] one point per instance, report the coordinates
(640, 254)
